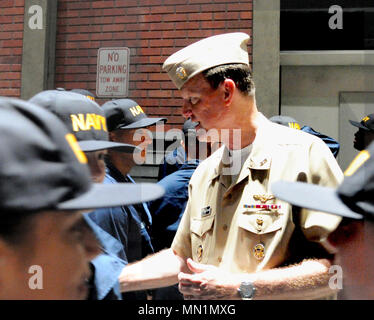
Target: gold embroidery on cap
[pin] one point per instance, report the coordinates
(86, 121)
(365, 119)
(357, 162)
(181, 73)
(70, 138)
(136, 110)
(294, 125)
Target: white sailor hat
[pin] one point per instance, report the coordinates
(205, 54)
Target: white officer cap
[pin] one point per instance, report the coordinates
(205, 54)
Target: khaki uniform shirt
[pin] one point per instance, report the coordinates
(223, 227)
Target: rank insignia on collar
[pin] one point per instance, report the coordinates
(263, 198)
(206, 211)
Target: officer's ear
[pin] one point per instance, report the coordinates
(229, 87)
(112, 136)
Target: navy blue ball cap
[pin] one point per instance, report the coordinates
(83, 117)
(84, 92)
(367, 123)
(285, 121)
(352, 199)
(127, 114)
(43, 168)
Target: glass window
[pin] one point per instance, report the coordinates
(327, 25)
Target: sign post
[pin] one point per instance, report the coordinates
(112, 76)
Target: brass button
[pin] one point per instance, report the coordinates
(259, 251)
(259, 221)
(219, 259)
(200, 252)
(224, 227)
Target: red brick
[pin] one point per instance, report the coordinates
(174, 34)
(246, 15)
(150, 18)
(149, 34)
(137, 11)
(158, 77)
(213, 7)
(10, 59)
(213, 24)
(102, 4)
(12, 11)
(140, 59)
(201, 1)
(200, 16)
(101, 36)
(125, 19)
(6, 19)
(162, 9)
(6, 3)
(12, 27)
(10, 92)
(113, 27)
(175, 17)
(239, 7)
(5, 35)
(138, 77)
(10, 76)
(152, 29)
(189, 8)
(161, 43)
(161, 26)
(127, 3)
(184, 25)
(166, 2)
(78, 37)
(19, 3)
(226, 15)
(148, 68)
(149, 51)
(11, 43)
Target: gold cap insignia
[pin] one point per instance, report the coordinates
(181, 73)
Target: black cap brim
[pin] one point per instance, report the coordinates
(97, 145)
(358, 125)
(142, 123)
(313, 197)
(113, 195)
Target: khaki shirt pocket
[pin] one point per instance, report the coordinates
(261, 223)
(258, 234)
(201, 237)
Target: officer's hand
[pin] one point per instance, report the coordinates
(207, 282)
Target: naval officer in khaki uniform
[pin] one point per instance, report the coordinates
(236, 240)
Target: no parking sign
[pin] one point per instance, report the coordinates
(112, 76)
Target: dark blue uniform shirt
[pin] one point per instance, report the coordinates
(128, 224)
(167, 211)
(106, 267)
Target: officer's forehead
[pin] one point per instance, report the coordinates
(197, 84)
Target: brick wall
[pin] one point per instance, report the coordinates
(152, 29)
(11, 34)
